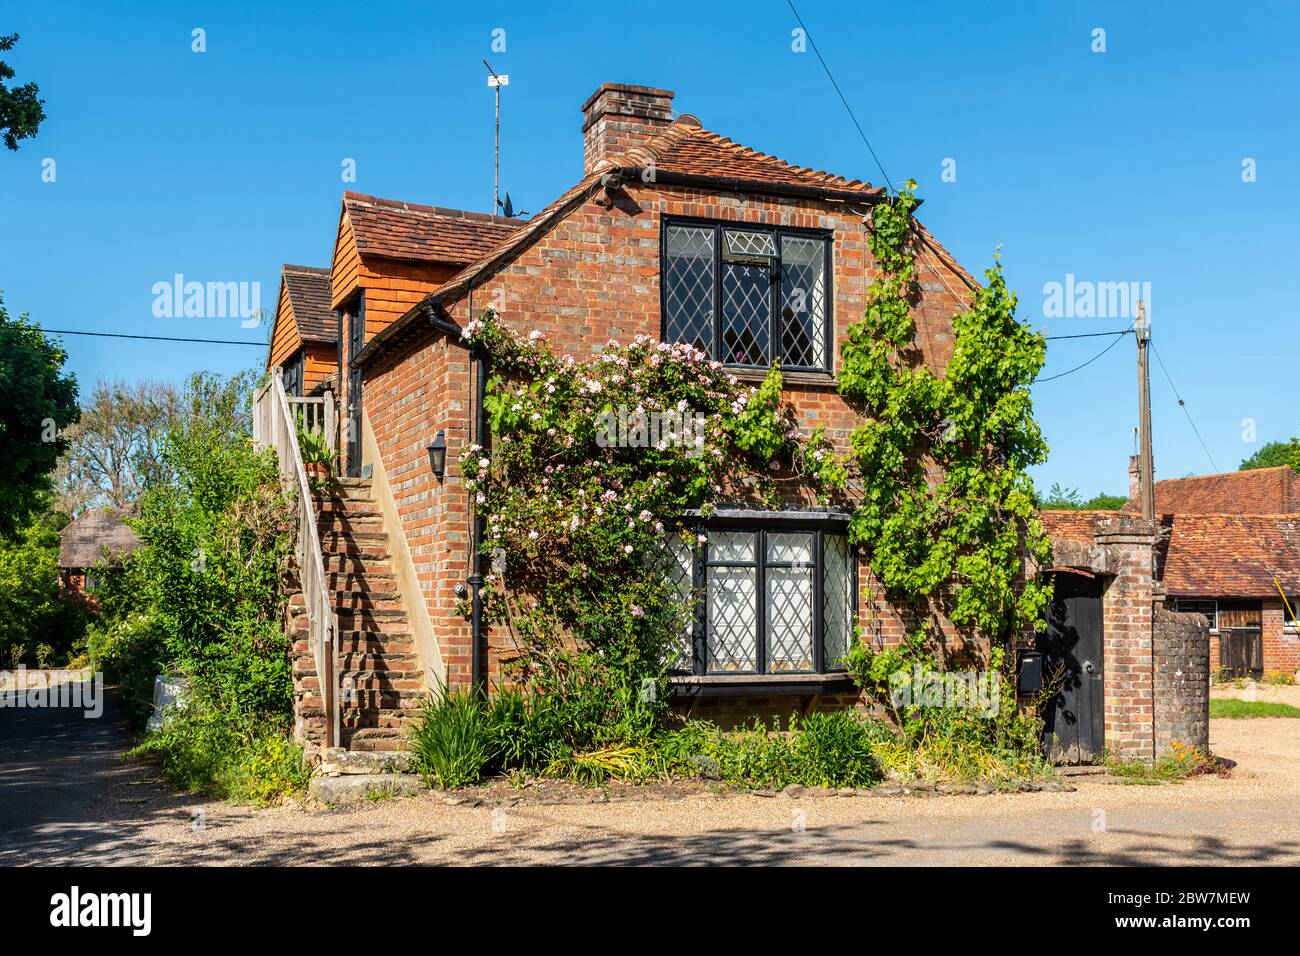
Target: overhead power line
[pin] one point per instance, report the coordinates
(1118, 337)
(840, 93)
(1082, 335)
(152, 338)
(1183, 405)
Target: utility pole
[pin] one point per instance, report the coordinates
(496, 81)
(1146, 464)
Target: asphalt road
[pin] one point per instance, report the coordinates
(67, 796)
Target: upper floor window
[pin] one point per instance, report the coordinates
(748, 295)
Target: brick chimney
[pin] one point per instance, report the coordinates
(1135, 480)
(618, 116)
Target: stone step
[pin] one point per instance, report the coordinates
(342, 581)
(375, 642)
(346, 507)
(362, 702)
(357, 564)
(334, 545)
(337, 762)
(374, 534)
(395, 681)
(363, 618)
(349, 524)
(385, 660)
(349, 602)
(359, 788)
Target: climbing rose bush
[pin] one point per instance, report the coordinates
(593, 465)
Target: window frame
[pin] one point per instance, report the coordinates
(776, 327)
(293, 372)
(759, 529)
(1189, 606)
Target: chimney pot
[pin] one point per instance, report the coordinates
(618, 117)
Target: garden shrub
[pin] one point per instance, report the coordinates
(127, 650)
(947, 740)
(198, 751)
(40, 624)
(453, 740)
(204, 598)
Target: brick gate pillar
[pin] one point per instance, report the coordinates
(1127, 656)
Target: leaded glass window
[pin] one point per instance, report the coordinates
(689, 271)
(749, 296)
(771, 600)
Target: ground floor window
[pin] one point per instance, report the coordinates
(1209, 608)
(768, 599)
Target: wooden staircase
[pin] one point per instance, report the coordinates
(379, 679)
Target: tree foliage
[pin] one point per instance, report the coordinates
(21, 109)
(38, 400)
(39, 623)
(117, 448)
(1060, 498)
(948, 512)
(1271, 455)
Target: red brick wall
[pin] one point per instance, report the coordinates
(1281, 646)
(594, 277)
(1127, 649)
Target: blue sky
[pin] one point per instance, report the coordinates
(1122, 166)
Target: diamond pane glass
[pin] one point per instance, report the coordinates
(746, 313)
(750, 243)
(676, 562)
(784, 548)
(837, 607)
(731, 546)
(733, 619)
(789, 619)
(688, 287)
(803, 301)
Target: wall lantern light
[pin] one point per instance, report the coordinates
(438, 455)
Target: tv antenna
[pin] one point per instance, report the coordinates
(496, 81)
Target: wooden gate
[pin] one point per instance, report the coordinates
(1241, 638)
(1241, 651)
(1071, 643)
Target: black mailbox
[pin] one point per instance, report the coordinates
(1031, 672)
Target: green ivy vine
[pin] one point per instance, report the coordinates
(948, 513)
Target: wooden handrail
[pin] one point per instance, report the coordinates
(275, 424)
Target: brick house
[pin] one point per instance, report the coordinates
(96, 536)
(674, 232)
(304, 333)
(1230, 549)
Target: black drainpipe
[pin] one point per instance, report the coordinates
(476, 534)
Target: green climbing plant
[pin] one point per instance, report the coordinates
(948, 512)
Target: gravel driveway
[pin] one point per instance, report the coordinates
(67, 797)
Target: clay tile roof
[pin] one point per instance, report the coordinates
(87, 538)
(309, 296)
(399, 230)
(1231, 555)
(1257, 491)
(686, 147)
(1074, 525)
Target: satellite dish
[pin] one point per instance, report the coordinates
(508, 208)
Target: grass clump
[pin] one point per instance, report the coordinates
(1234, 709)
(198, 752)
(1179, 764)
